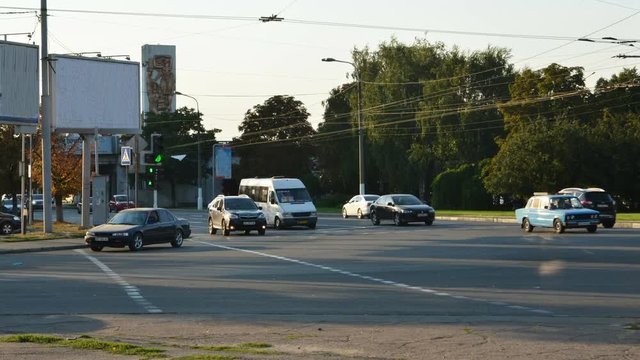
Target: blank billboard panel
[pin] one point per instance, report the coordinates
(19, 91)
(89, 95)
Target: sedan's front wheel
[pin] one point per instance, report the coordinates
(96, 247)
(557, 226)
(526, 225)
(344, 213)
(136, 243)
(397, 220)
(178, 239)
(374, 218)
(225, 231)
(360, 216)
(212, 229)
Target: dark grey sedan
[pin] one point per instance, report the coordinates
(402, 209)
(138, 227)
(9, 223)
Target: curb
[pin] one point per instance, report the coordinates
(43, 248)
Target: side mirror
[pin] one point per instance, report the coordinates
(389, 204)
(546, 207)
(272, 201)
(259, 207)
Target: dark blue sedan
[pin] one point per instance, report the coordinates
(138, 227)
(9, 223)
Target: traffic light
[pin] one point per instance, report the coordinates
(157, 149)
(150, 178)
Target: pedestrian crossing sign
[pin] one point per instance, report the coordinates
(125, 159)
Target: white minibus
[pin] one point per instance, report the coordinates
(284, 201)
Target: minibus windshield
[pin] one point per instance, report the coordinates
(293, 195)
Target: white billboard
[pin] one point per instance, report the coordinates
(222, 158)
(19, 91)
(91, 95)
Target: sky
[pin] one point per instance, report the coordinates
(230, 61)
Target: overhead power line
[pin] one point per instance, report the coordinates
(276, 18)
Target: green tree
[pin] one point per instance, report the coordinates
(338, 139)
(428, 108)
(547, 144)
(274, 140)
(182, 131)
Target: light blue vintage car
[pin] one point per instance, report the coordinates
(559, 212)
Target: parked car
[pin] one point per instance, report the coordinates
(559, 212)
(402, 209)
(231, 213)
(9, 223)
(138, 227)
(596, 199)
(79, 206)
(37, 200)
(118, 203)
(359, 206)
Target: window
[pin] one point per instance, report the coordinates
(536, 203)
(165, 216)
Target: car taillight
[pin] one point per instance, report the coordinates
(586, 202)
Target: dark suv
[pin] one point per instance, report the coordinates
(230, 213)
(597, 199)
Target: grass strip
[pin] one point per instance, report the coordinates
(205, 357)
(87, 343)
(245, 348)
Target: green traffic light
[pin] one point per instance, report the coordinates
(158, 159)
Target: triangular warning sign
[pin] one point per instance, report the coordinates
(125, 157)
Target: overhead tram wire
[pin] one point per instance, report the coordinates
(318, 23)
(413, 119)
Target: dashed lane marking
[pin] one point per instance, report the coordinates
(382, 281)
(132, 291)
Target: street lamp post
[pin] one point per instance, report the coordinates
(360, 128)
(199, 200)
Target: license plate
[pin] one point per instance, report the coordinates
(249, 222)
(603, 205)
(302, 221)
(422, 215)
(584, 223)
(102, 238)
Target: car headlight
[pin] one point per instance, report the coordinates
(261, 216)
(15, 218)
(406, 211)
(313, 213)
(233, 216)
(286, 214)
(120, 234)
(570, 217)
(594, 216)
(90, 233)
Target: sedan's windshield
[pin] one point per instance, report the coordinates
(293, 195)
(406, 200)
(129, 218)
(240, 204)
(120, 198)
(371, 197)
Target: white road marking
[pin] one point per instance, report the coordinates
(132, 291)
(377, 280)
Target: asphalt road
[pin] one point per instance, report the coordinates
(346, 270)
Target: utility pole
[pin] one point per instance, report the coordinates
(46, 125)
